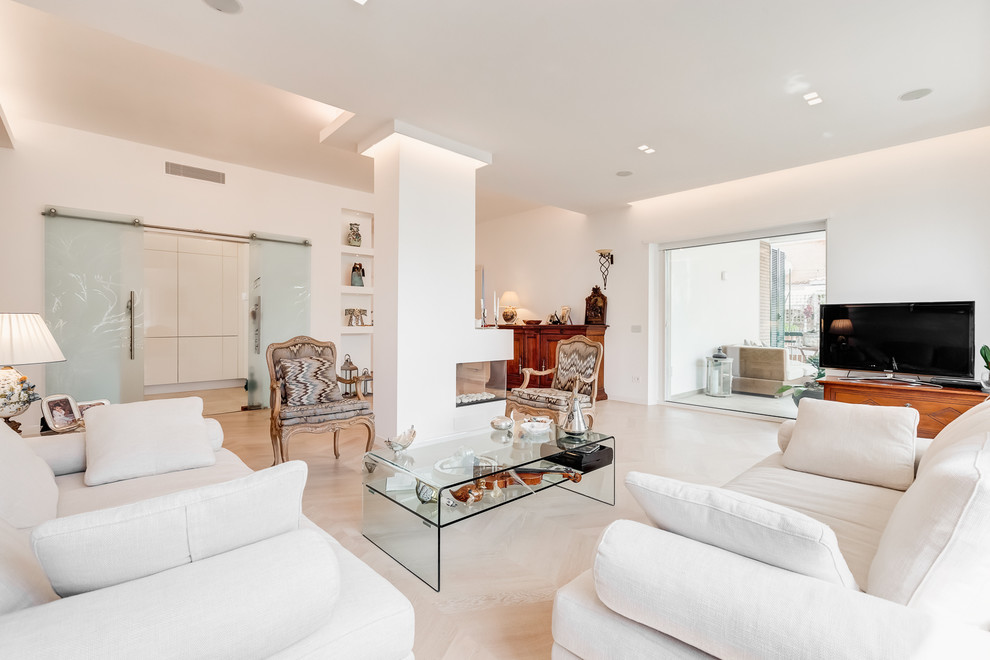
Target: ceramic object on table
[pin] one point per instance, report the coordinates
(501, 423)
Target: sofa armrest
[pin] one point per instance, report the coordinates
(731, 606)
(247, 603)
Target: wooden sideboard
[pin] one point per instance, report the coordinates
(535, 346)
(937, 407)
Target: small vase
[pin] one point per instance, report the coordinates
(354, 235)
(985, 380)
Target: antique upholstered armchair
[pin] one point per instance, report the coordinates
(574, 375)
(306, 397)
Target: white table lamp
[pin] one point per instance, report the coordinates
(24, 339)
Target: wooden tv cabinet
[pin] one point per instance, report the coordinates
(937, 407)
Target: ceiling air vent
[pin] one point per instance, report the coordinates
(195, 172)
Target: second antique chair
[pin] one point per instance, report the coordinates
(574, 375)
(306, 397)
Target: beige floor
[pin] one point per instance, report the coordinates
(501, 569)
(782, 406)
(215, 402)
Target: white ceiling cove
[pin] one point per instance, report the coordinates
(561, 92)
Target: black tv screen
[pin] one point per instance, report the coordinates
(926, 338)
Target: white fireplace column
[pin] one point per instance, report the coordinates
(424, 279)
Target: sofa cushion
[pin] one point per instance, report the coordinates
(545, 397)
(130, 440)
(974, 420)
(101, 548)
(856, 512)
(28, 494)
(854, 442)
(22, 582)
(744, 525)
(935, 552)
(309, 381)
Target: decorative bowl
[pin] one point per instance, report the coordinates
(501, 423)
(533, 321)
(402, 441)
(535, 428)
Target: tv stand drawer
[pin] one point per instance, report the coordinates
(936, 407)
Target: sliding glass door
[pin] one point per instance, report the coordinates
(757, 300)
(279, 302)
(93, 283)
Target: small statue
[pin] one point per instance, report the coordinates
(357, 275)
(355, 316)
(354, 235)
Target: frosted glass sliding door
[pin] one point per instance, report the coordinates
(279, 303)
(93, 281)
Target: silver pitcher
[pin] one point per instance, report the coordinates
(574, 423)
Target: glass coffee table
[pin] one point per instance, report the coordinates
(411, 495)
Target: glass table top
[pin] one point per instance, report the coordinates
(463, 458)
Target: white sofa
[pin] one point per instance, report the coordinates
(839, 546)
(219, 562)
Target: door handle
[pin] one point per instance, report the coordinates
(130, 313)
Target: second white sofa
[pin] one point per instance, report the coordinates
(832, 548)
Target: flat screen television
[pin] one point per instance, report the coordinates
(923, 338)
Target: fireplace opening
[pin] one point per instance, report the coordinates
(480, 382)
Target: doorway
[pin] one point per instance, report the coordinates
(758, 301)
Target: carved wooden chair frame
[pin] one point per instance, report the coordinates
(280, 434)
(561, 415)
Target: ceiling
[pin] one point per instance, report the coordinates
(561, 92)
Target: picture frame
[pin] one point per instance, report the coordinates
(86, 405)
(61, 412)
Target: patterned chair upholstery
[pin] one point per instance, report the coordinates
(574, 375)
(306, 398)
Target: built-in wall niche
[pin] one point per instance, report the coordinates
(480, 382)
(194, 299)
(357, 293)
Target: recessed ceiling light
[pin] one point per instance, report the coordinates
(814, 101)
(810, 95)
(361, 2)
(643, 147)
(649, 151)
(915, 94)
(225, 6)
(623, 173)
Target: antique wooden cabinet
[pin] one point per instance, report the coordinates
(535, 346)
(937, 407)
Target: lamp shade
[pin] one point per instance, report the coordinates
(509, 299)
(841, 327)
(25, 339)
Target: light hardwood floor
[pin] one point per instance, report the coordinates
(501, 569)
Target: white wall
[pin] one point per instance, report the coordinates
(66, 167)
(706, 310)
(905, 223)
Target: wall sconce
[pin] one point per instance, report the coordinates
(605, 259)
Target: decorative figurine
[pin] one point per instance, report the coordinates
(357, 275)
(355, 316)
(354, 235)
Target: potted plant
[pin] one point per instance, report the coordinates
(811, 388)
